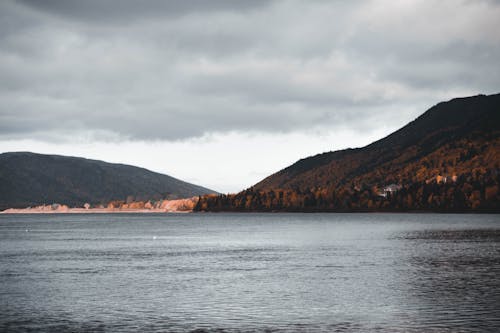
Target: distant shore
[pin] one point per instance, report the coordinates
(162, 206)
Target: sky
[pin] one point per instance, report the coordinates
(224, 93)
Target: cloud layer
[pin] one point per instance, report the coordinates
(172, 70)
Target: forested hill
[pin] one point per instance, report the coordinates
(445, 160)
(28, 179)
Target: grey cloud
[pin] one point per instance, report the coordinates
(182, 69)
(272, 90)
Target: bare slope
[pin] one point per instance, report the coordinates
(471, 119)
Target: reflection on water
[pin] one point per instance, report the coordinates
(250, 272)
(455, 282)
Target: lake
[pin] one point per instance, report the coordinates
(250, 272)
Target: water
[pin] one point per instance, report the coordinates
(250, 272)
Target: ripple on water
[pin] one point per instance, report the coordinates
(247, 273)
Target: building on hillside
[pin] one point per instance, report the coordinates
(392, 188)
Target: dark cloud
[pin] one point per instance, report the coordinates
(109, 11)
(172, 70)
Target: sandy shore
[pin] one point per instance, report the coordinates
(162, 206)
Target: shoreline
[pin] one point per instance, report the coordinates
(14, 211)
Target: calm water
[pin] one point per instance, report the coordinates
(250, 272)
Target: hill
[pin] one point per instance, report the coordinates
(28, 179)
(446, 160)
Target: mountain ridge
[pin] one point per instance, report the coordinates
(30, 179)
(451, 139)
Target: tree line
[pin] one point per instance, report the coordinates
(476, 191)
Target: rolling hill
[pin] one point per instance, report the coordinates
(29, 179)
(448, 159)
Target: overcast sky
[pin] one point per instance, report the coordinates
(223, 93)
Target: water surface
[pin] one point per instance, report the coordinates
(250, 272)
